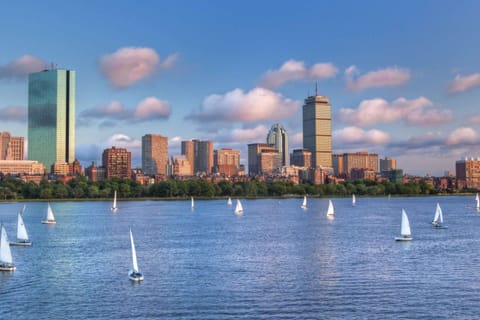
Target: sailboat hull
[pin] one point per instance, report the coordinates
(135, 276)
(439, 227)
(49, 222)
(7, 267)
(403, 238)
(113, 209)
(21, 243)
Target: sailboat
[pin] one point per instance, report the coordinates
(50, 218)
(354, 200)
(330, 210)
(477, 200)
(114, 206)
(134, 274)
(405, 229)
(437, 222)
(229, 201)
(6, 261)
(239, 207)
(304, 203)
(193, 203)
(22, 235)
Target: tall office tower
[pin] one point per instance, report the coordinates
(199, 154)
(154, 154)
(188, 152)
(226, 161)
(337, 163)
(317, 129)
(51, 116)
(117, 163)
(204, 156)
(279, 138)
(11, 148)
(254, 149)
(388, 164)
(301, 158)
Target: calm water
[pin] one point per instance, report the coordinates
(277, 261)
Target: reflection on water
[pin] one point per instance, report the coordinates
(276, 261)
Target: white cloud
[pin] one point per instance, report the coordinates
(415, 112)
(388, 77)
(152, 108)
(464, 83)
(22, 67)
(259, 133)
(358, 136)
(296, 70)
(464, 135)
(237, 105)
(129, 65)
(13, 113)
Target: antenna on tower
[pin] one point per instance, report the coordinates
(316, 88)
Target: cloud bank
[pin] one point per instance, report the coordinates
(464, 83)
(130, 65)
(359, 137)
(13, 114)
(388, 77)
(296, 70)
(21, 67)
(237, 105)
(415, 112)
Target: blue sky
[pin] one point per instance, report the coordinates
(403, 77)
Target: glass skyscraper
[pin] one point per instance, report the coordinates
(278, 136)
(51, 116)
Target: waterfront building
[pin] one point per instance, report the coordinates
(344, 163)
(317, 129)
(117, 163)
(301, 158)
(180, 166)
(154, 154)
(254, 149)
(468, 173)
(199, 154)
(11, 148)
(269, 161)
(226, 161)
(394, 175)
(388, 164)
(21, 167)
(95, 173)
(51, 116)
(279, 138)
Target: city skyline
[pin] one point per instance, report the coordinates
(403, 81)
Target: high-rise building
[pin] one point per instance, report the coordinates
(468, 173)
(359, 160)
(154, 154)
(301, 158)
(254, 149)
(388, 164)
(11, 148)
(51, 116)
(279, 138)
(200, 154)
(117, 163)
(269, 161)
(226, 161)
(317, 130)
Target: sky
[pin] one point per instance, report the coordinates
(403, 77)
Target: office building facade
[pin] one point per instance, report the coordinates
(154, 154)
(11, 148)
(226, 161)
(51, 116)
(317, 130)
(117, 163)
(279, 138)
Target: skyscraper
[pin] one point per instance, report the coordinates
(279, 138)
(11, 148)
(51, 116)
(188, 152)
(199, 154)
(317, 129)
(154, 154)
(117, 163)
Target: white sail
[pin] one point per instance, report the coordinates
(21, 230)
(354, 200)
(477, 199)
(229, 202)
(238, 207)
(330, 211)
(405, 229)
(134, 253)
(193, 203)
(5, 253)
(438, 215)
(50, 216)
(114, 206)
(304, 203)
